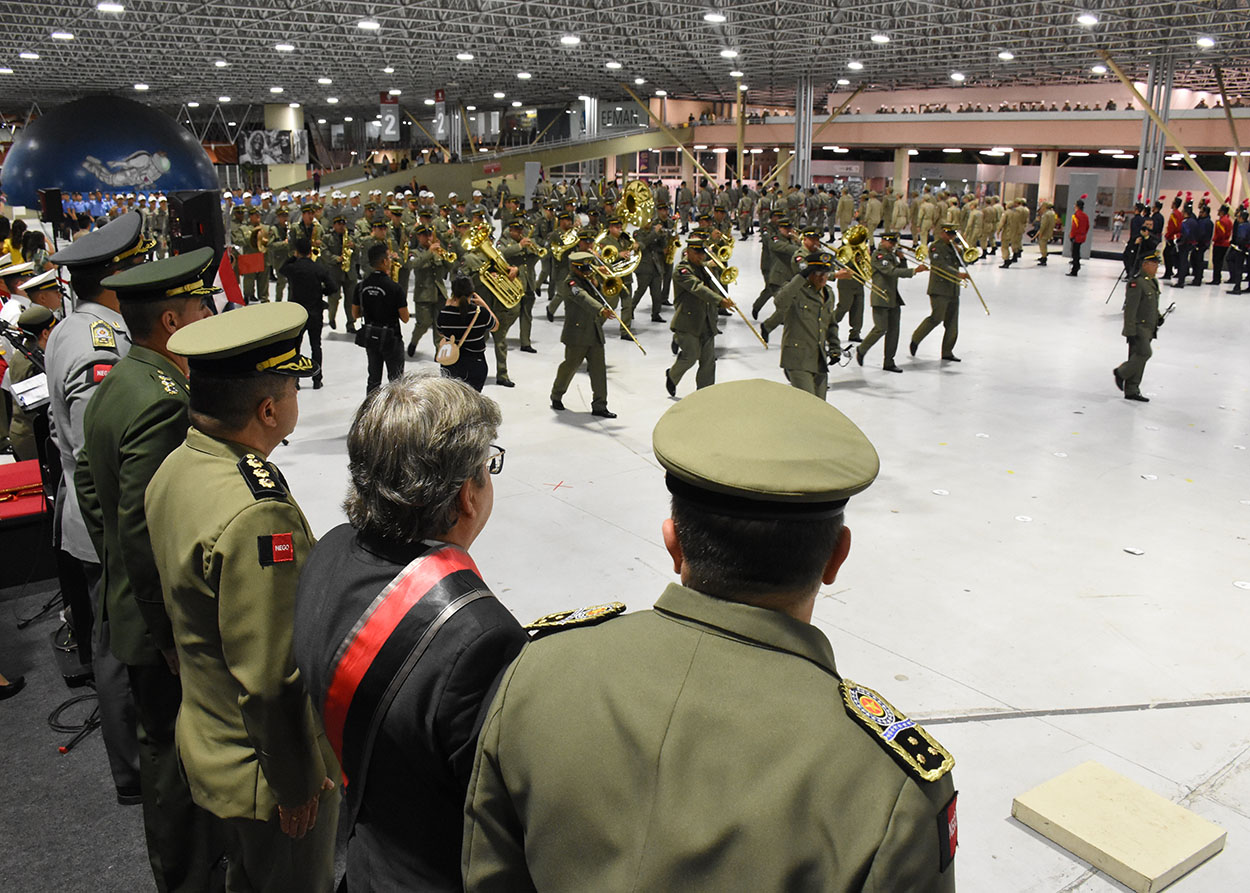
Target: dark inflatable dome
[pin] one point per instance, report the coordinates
(106, 143)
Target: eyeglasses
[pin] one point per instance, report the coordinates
(494, 463)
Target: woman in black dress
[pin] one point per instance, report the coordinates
(454, 320)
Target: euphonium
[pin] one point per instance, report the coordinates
(495, 276)
(565, 242)
(637, 206)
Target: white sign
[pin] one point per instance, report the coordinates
(615, 117)
(389, 123)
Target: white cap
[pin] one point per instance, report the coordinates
(477, 192)
(451, 195)
(37, 281)
(355, 193)
(13, 309)
(16, 269)
(130, 195)
(161, 199)
(227, 194)
(284, 196)
(266, 195)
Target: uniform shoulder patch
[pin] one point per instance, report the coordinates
(168, 384)
(275, 548)
(262, 478)
(914, 748)
(103, 336)
(590, 616)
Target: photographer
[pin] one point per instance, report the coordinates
(382, 304)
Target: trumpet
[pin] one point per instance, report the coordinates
(534, 248)
(442, 253)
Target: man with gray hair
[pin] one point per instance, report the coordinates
(396, 633)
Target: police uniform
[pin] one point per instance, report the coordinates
(707, 743)
(81, 351)
(136, 418)
(944, 276)
(887, 303)
(582, 337)
(695, 302)
(1141, 325)
(229, 541)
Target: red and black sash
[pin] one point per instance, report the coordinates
(382, 647)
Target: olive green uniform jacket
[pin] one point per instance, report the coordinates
(810, 329)
(1141, 307)
(229, 542)
(136, 418)
(887, 270)
(694, 302)
(703, 745)
(943, 256)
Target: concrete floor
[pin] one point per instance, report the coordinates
(1034, 541)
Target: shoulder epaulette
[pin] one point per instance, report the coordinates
(263, 479)
(170, 386)
(590, 616)
(910, 745)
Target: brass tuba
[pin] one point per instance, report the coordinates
(495, 274)
(637, 206)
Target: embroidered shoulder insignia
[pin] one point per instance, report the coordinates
(170, 386)
(913, 747)
(590, 616)
(262, 478)
(102, 335)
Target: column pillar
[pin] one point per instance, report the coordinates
(687, 169)
(592, 117)
(283, 117)
(801, 167)
(1165, 112)
(1145, 148)
(609, 168)
(902, 171)
(1046, 181)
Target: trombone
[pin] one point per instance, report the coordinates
(857, 273)
(717, 285)
(719, 256)
(949, 276)
(605, 275)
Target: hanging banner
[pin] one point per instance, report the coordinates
(440, 115)
(389, 122)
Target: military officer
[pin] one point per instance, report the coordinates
(560, 265)
(685, 204)
(430, 269)
(851, 302)
(158, 227)
(795, 265)
(584, 315)
(845, 211)
(335, 244)
(781, 249)
(888, 266)
(695, 303)
(809, 340)
(1141, 325)
(255, 240)
(741, 758)
(945, 274)
(616, 237)
(81, 351)
(279, 251)
(513, 251)
(533, 252)
(1007, 226)
(746, 205)
(653, 243)
(136, 418)
(251, 745)
(25, 353)
(307, 227)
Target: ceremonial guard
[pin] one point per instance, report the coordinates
(251, 745)
(584, 315)
(1077, 233)
(81, 351)
(888, 266)
(1171, 257)
(945, 275)
(430, 269)
(809, 341)
(746, 206)
(136, 418)
(900, 216)
(1141, 325)
(806, 779)
(695, 304)
(1240, 246)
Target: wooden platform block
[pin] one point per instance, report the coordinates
(1142, 840)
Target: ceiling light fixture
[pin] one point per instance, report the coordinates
(570, 40)
(1088, 19)
(348, 119)
(284, 47)
(428, 101)
(729, 54)
(1123, 156)
(957, 76)
(880, 38)
(464, 57)
(1205, 42)
(612, 65)
(325, 82)
(394, 91)
(223, 98)
(843, 82)
(470, 108)
(369, 24)
(321, 120)
(193, 104)
(742, 87)
(222, 63)
(640, 81)
(735, 74)
(1099, 69)
(110, 7)
(275, 89)
(33, 57)
(524, 75)
(516, 103)
(1079, 154)
(1110, 151)
(62, 35)
(390, 69)
(855, 66)
(952, 151)
(141, 87)
(293, 105)
(1028, 154)
(913, 151)
(333, 100)
(1006, 55)
(714, 18)
(229, 123)
(661, 92)
(499, 94)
